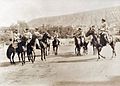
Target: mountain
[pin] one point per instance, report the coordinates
(112, 15)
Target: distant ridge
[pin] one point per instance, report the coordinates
(112, 15)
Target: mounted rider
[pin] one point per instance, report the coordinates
(55, 36)
(28, 35)
(16, 38)
(79, 34)
(38, 38)
(104, 29)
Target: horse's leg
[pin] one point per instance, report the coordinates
(94, 52)
(42, 54)
(18, 56)
(79, 51)
(28, 55)
(75, 50)
(113, 50)
(13, 58)
(56, 49)
(33, 56)
(10, 59)
(46, 53)
(22, 58)
(99, 55)
(53, 49)
(49, 49)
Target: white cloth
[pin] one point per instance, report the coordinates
(104, 26)
(16, 37)
(38, 34)
(37, 42)
(55, 34)
(28, 35)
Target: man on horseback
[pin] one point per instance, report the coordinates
(16, 38)
(38, 38)
(28, 35)
(79, 34)
(104, 29)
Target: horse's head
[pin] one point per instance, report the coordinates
(23, 38)
(46, 36)
(90, 32)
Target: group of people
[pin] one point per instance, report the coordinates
(16, 36)
(103, 29)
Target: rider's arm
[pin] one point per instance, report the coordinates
(30, 35)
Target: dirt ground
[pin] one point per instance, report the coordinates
(65, 69)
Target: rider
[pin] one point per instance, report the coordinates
(55, 34)
(16, 36)
(28, 35)
(104, 28)
(79, 34)
(38, 37)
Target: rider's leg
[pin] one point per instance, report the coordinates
(37, 42)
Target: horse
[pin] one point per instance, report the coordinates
(80, 42)
(100, 41)
(30, 50)
(55, 44)
(42, 46)
(18, 48)
(45, 39)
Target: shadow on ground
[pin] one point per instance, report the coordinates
(114, 81)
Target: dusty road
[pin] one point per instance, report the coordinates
(65, 69)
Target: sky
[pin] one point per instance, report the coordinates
(12, 11)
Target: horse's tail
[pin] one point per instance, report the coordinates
(10, 50)
(8, 54)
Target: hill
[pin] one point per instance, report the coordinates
(112, 15)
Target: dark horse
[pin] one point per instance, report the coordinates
(80, 42)
(100, 42)
(55, 44)
(18, 49)
(45, 39)
(42, 47)
(30, 50)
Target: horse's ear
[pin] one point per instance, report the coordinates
(87, 43)
(90, 28)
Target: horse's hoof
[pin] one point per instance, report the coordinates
(29, 60)
(42, 59)
(32, 61)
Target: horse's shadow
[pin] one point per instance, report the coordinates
(7, 64)
(72, 55)
(73, 61)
